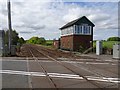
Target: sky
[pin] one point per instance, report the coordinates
(44, 18)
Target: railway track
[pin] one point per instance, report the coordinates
(53, 85)
(49, 55)
(59, 62)
(92, 66)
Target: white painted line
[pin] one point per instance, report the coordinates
(74, 62)
(14, 60)
(114, 64)
(71, 62)
(43, 58)
(112, 80)
(29, 78)
(54, 76)
(112, 60)
(77, 62)
(95, 63)
(59, 75)
(98, 60)
(70, 76)
(47, 61)
(26, 61)
(84, 59)
(64, 74)
(108, 60)
(64, 58)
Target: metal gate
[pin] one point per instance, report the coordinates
(116, 51)
(2, 35)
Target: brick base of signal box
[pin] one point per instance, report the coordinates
(74, 42)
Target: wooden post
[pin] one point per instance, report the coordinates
(9, 25)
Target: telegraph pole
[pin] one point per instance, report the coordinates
(9, 25)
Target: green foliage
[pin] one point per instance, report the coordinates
(113, 39)
(94, 43)
(106, 44)
(21, 41)
(49, 42)
(14, 37)
(36, 40)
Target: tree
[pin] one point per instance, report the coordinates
(21, 41)
(42, 40)
(36, 40)
(14, 37)
(113, 39)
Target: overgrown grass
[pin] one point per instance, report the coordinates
(49, 42)
(107, 44)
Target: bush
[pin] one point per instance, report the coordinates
(113, 39)
(36, 40)
(21, 41)
(49, 42)
(14, 37)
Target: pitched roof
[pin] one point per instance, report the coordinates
(75, 21)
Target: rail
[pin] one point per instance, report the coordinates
(61, 63)
(44, 71)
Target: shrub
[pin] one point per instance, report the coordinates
(36, 40)
(21, 41)
(113, 39)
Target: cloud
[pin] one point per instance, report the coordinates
(25, 32)
(44, 18)
(102, 34)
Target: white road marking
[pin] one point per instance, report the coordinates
(85, 59)
(64, 58)
(14, 60)
(77, 62)
(59, 75)
(98, 60)
(113, 64)
(95, 63)
(108, 60)
(41, 74)
(112, 60)
(114, 80)
(71, 62)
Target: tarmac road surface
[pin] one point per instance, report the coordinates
(28, 72)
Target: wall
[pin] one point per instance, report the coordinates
(67, 42)
(73, 42)
(81, 40)
(56, 44)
